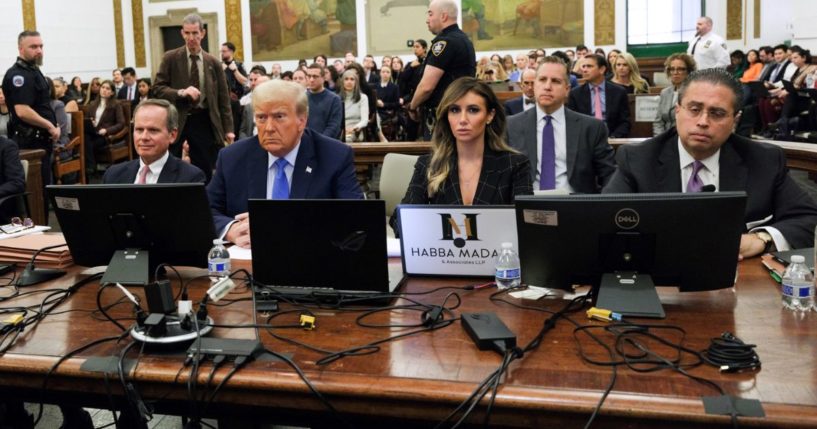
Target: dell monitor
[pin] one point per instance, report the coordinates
(134, 228)
(625, 244)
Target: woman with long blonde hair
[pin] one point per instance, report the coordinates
(626, 74)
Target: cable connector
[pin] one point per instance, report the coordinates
(11, 322)
(223, 286)
(307, 322)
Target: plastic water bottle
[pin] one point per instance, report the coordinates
(798, 285)
(508, 273)
(218, 260)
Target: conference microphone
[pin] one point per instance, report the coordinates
(708, 188)
(32, 275)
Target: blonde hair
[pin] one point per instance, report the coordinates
(280, 90)
(641, 86)
(443, 143)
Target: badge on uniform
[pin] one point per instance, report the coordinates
(708, 42)
(18, 81)
(438, 48)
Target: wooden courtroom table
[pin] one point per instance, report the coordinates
(416, 381)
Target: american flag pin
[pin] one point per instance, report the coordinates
(308, 169)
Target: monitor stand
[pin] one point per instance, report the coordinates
(630, 294)
(128, 267)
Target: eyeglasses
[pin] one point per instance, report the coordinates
(17, 224)
(714, 114)
(677, 70)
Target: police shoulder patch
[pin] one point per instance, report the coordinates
(438, 48)
(18, 80)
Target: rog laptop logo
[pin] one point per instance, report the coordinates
(352, 243)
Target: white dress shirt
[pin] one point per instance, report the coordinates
(155, 169)
(710, 52)
(560, 138)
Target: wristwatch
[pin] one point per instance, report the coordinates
(766, 238)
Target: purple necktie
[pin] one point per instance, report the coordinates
(695, 184)
(547, 167)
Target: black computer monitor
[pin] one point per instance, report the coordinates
(624, 244)
(134, 228)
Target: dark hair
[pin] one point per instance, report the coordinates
(601, 61)
(316, 66)
(286, 74)
(600, 51)
(737, 53)
(757, 54)
(805, 53)
(229, 46)
(688, 60)
(129, 70)
(581, 48)
(325, 59)
(562, 56)
(422, 43)
(767, 49)
(51, 90)
(781, 46)
(258, 69)
(145, 80)
(715, 76)
(27, 33)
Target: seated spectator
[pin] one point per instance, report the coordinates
(493, 72)
(299, 77)
(64, 122)
(325, 107)
(396, 69)
(678, 67)
(143, 86)
(61, 92)
(508, 65)
(467, 144)
(104, 116)
(93, 92)
(12, 178)
(75, 90)
(626, 74)
(794, 103)
(388, 104)
(4, 116)
(771, 108)
(371, 131)
(600, 98)
(356, 106)
(738, 63)
(370, 70)
(754, 67)
(330, 79)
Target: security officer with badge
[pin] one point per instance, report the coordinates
(28, 96)
(451, 56)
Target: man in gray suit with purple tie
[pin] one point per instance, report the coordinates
(568, 150)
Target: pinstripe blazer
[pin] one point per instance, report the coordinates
(504, 175)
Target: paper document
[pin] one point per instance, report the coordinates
(38, 228)
(240, 253)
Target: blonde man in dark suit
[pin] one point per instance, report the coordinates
(194, 82)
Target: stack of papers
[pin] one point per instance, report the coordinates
(21, 249)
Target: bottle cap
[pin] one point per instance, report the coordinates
(799, 259)
(218, 241)
(507, 245)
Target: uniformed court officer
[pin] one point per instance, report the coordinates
(451, 56)
(28, 95)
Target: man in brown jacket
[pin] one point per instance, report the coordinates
(194, 82)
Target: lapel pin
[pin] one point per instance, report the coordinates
(308, 169)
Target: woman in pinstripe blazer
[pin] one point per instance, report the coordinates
(469, 163)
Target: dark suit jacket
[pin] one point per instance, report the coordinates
(618, 107)
(324, 169)
(173, 76)
(174, 171)
(590, 158)
(504, 175)
(122, 94)
(12, 178)
(745, 165)
(514, 106)
(112, 119)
